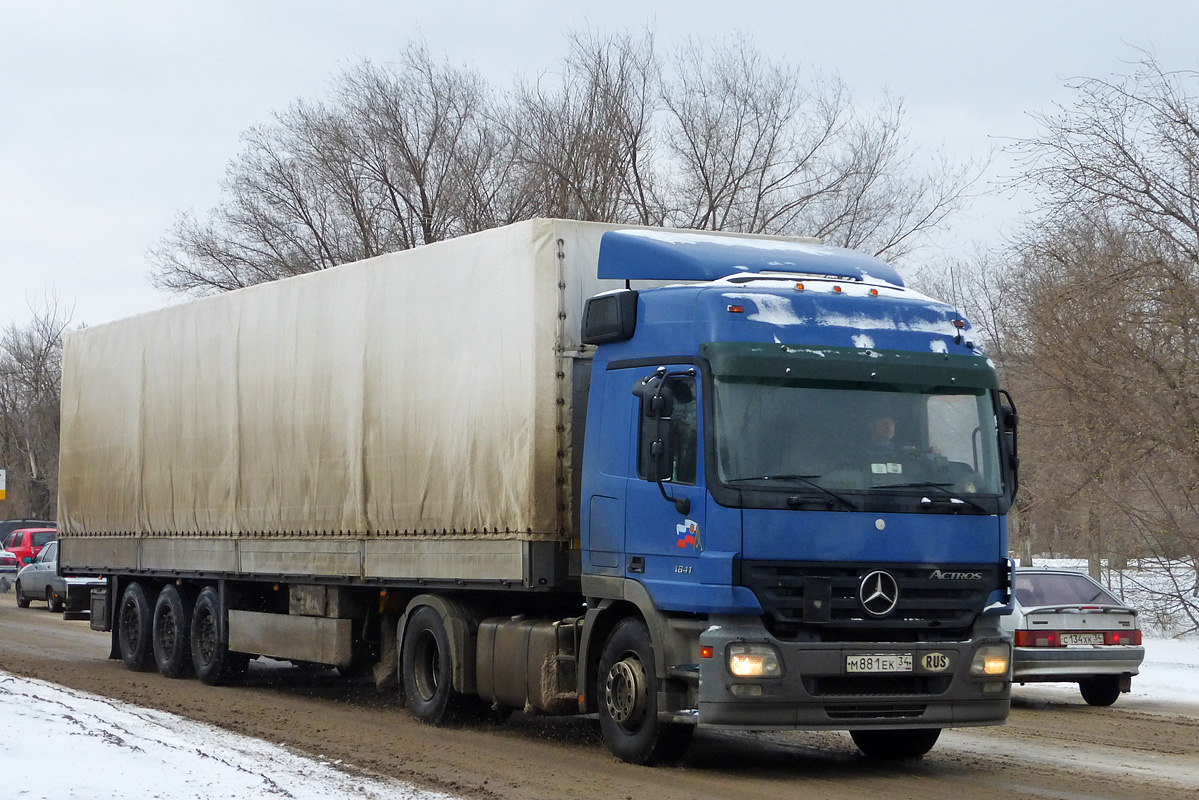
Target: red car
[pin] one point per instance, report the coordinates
(26, 543)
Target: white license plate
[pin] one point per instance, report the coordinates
(1081, 638)
(885, 662)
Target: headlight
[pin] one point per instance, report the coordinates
(754, 661)
(991, 661)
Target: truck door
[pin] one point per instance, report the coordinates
(664, 536)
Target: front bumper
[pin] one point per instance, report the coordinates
(1033, 664)
(816, 689)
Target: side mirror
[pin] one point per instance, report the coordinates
(610, 317)
(1009, 422)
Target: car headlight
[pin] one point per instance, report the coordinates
(754, 661)
(991, 661)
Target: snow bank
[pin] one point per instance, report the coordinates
(71, 744)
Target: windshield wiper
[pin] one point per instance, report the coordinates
(806, 479)
(942, 487)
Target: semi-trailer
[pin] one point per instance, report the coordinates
(669, 477)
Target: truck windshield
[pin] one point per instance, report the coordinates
(803, 436)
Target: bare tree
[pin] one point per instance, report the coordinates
(586, 140)
(758, 150)
(419, 151)
(403, 158)
(30, 376)
(1107, 318)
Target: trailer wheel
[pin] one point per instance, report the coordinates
(172, 623)
(1101, 690)
(53, 601)
(22, 600)
(214, 664)
(628, 700)
(134, 620)
(896, 744)
(426, 662)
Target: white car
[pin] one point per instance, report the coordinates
(41, 581)
(1068, 628)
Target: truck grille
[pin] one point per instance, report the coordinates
(819, 601)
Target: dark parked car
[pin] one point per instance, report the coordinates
(1069, 628)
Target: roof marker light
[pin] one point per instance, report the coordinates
(837, 289)
(799, 287)
(736, 309)
(959, 323)
(874, 292)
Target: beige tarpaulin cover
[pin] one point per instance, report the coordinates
(410, 394)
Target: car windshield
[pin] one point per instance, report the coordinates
(854, 440)
(1060, 589)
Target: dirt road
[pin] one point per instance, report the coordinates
(1060, 750)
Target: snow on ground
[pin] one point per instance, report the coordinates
(71, 744)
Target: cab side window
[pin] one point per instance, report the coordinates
(684, 434)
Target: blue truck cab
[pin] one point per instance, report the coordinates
(798, 471)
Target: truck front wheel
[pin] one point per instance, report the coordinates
(426, 662)
(628, 700)
(172, 620)
(134, 620)
(896, 744)
(214, 664)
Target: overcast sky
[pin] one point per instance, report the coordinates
(115, 115)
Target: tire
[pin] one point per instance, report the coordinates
(134, 621)
(1102, 690)
(53, 603)
(427, 673)
(627, 690)
(211, 659)
(896, 744)
(172, 632)
(22, 600)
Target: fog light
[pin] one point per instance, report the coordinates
(991, 661)
(754, 661)
(994, 688)
(746, 689)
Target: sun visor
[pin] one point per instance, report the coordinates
(655, 255)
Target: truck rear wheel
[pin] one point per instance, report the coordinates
(628, 700)
(896, 744)
(134, 620)
(214, 664)
(172, 623)
(426, 662)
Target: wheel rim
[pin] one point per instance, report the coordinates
(205, 636)
(131, 627)
(626, 693)
(165, 632)
(427, 663)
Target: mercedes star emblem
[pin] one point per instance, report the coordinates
(878, 593)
